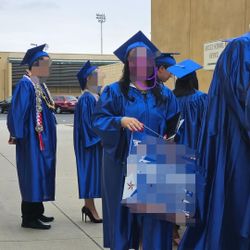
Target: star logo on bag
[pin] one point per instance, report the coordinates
(136, 143)
(130, 185)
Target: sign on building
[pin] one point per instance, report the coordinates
(212, 51)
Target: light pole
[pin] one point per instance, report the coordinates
(35, 45)
(101, 19)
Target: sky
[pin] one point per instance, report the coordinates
(70, 26)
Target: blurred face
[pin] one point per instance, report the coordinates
(163, 74)
(95, 80)
(141, 64)
(41, 68)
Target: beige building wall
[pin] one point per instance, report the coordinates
(111, 73)
(5, 76)
(185, 25)
(6, 70)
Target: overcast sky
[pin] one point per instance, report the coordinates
(70, 26)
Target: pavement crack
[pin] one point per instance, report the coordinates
(13, 165)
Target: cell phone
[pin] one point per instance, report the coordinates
(173, 125)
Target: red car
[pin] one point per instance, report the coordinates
(64, 103)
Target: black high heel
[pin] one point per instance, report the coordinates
(86, 212)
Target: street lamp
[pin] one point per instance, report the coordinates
(101, 19)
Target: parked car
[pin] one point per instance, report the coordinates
(64, 103)
(5, 104)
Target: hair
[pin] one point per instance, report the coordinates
(162, 65)
(186, 85)
(124, 83)
(83, 83)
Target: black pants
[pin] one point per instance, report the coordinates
(31, 210)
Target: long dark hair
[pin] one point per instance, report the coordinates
(124, 83)
(186, 85)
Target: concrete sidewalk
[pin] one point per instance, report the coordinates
(68, 231)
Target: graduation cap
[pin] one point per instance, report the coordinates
(84, 72)
(33, 54)
(137, 40)
(184, 68)
(166, 59)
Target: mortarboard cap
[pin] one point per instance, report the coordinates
(184, 68)
(33, 54)
(84, 72)
(166, 59)
(137, 40)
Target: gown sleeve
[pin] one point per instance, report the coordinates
(172, 105)
(107, 122)
(19, 109)
(83, 126)
(171, 110)
(247, 112)
(193, 108)
(202, 106)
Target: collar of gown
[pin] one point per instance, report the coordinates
(132, 85)
(94, 94)
(141, 91)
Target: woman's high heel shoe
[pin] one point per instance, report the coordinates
(86, 212)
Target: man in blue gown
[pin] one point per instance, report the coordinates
(32, 128)
(223, 180)
(163, 62)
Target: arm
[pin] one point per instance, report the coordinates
(83, 123)
(19, 108)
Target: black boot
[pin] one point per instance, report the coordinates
(35, 224)
(45, 219)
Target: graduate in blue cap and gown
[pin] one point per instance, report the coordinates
(223, 180)
(163, 62)
(136, 103)
(32, 126)
(192, 102)
(87, 143)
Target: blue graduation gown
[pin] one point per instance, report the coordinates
(192, 109)
(36, 168)
(120, 226)
(223, 208)
(88, 150)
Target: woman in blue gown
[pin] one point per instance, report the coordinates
(32, 126)
(124, 107)
(223, 180)
(192, 103)
(87, 144)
